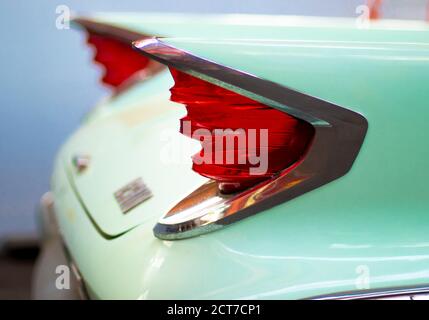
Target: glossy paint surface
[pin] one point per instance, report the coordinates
(248, 26)
(372, 222)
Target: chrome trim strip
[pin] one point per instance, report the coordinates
(120, 34)
(339, 134)
(399, 292)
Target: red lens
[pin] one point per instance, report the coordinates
(374, 9)
(212, 107)
(118, 58)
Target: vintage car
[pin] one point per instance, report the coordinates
(327, 198)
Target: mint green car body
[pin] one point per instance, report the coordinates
(366, 230)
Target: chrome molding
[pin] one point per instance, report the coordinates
(339, 134)
(416, 293)
(120, 34)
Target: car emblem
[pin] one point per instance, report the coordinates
(132, 194)
(81, 162)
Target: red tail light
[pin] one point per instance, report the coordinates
(212, 107)
(120, 61)
(374, 9)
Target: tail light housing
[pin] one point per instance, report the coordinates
(310, 141)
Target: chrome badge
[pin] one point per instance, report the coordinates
(132, 194)
(81, 162)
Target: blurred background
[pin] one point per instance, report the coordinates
(48, 83)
